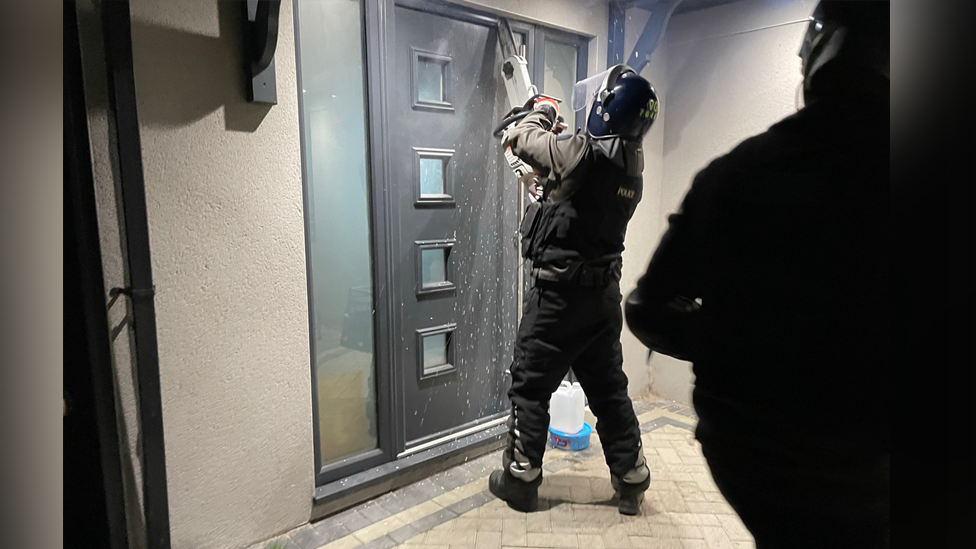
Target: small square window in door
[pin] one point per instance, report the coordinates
(431, 81)
(431, 176)
(435, 349)
(434, 177)
(435, 271)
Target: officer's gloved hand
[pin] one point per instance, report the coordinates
(548, 107)
(560, 126)
(665, 328)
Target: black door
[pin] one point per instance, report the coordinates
(454, 218)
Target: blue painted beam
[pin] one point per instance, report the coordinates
(615, 34)
(652, 34)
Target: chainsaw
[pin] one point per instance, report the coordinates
(525, 174)
(522, 95)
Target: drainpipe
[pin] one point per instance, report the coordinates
(79, 204)
(140, 291)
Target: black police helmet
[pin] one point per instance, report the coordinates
(848, 39)
(624, 106)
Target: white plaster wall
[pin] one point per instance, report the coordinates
(224, 194)
(732, 71)
(642, 233)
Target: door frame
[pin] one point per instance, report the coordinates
(379, 31)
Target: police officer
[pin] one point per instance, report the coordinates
(773, 280)
(572, 316)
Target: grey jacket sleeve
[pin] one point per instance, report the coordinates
(553, 157)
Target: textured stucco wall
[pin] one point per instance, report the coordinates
(224, 190)
(224, 194)
(732, 71)
(642, 233)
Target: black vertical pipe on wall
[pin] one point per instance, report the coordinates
(80, 215)
(122, 101)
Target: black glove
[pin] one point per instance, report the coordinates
(548, 107)
(663, 328)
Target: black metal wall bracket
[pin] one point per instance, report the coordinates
(260, 43)
(133, 293)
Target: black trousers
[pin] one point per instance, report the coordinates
(566, 326)
(803, 493)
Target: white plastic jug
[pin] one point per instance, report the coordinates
(566, 408)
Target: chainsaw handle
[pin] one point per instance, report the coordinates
(501, 127)
(518, 114)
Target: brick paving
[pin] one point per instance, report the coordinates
(453, 509)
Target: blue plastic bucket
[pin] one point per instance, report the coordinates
(571, 442)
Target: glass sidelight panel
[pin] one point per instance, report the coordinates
(560, 75)
(338, 227)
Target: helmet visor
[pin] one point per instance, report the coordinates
(585, 90)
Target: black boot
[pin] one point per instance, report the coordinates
(631, 495)
(519, 495)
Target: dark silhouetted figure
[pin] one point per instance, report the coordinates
(773, 280)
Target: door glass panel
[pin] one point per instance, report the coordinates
(435, 351)
(434, 266)
(430, 80)
(338, 226)
(560, 76)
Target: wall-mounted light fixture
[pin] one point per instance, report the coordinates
(260, 43)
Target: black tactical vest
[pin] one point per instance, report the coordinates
(585, 221)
